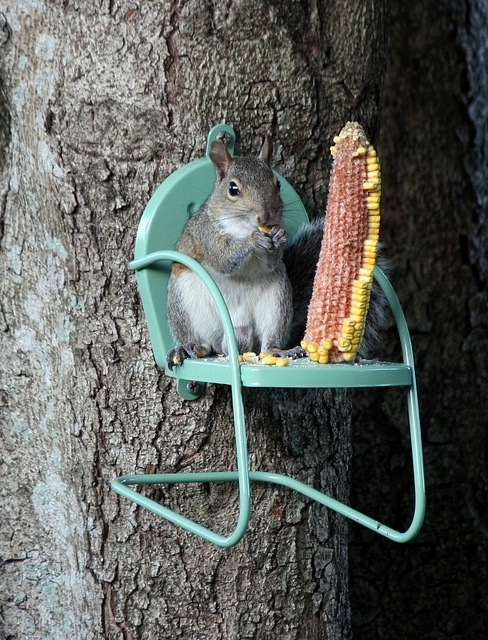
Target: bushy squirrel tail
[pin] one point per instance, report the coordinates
(300, 257)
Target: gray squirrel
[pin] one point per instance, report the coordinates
(266, 282)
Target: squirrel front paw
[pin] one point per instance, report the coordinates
(271, 238)
(293, 354)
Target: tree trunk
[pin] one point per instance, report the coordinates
(435, 220)
(99, 103)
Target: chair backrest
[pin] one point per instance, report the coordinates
(164, 218)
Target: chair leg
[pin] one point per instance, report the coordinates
(243, 476)
(123, 484)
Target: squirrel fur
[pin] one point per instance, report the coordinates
(266, 282)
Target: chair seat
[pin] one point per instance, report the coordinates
(302, 373)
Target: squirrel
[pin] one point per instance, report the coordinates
(238, 236)
(266, 282)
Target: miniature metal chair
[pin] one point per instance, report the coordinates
(163, 220)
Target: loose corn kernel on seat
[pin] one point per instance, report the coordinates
(163, 220)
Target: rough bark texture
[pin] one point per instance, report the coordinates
(99, 102)
(435, 207)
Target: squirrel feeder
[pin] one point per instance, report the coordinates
(161, 225)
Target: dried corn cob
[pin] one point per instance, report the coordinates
(344, 276)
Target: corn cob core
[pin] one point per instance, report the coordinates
(344, 276)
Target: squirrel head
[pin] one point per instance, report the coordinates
(246, 186)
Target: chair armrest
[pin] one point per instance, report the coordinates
(176, 256)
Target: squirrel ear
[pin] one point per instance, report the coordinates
(266, 149)
(220, 158)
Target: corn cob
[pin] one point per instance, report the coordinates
(344, 276)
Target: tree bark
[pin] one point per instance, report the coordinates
(434, 223)
(99, 103)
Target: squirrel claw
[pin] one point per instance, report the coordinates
(278, 236)
(176, 356)
(294, 353)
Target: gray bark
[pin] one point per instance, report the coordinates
(99, 103)
(434, 158)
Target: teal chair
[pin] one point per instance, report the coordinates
(163, 220)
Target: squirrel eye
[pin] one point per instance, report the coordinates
(234, 189)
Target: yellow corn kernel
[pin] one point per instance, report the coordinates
(360, 151)
(344, 345)
(373, 173)
(369, 261)
(269, 359)
(359, 298)
(357, 311)
(360, 286)
(282, 362)
(370, 186)
(373, 206)
(370, 249)
(264, 228)
(363, 271)
(359, 303)
(373, 225)
(250, 357)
